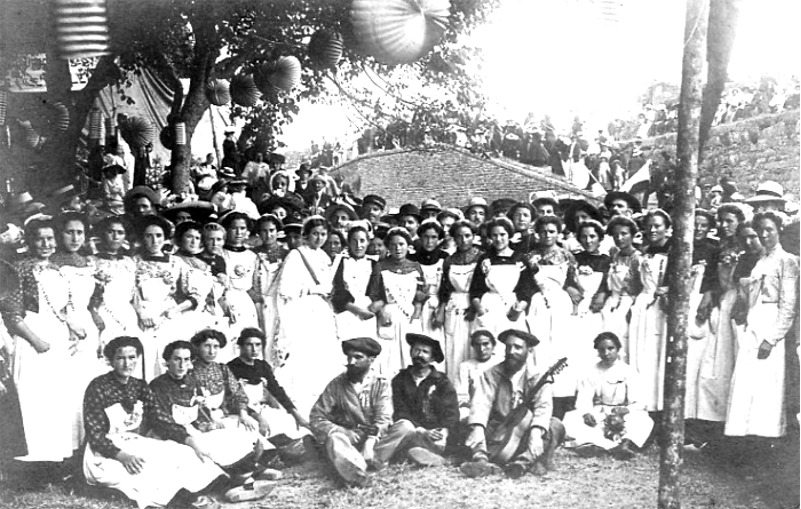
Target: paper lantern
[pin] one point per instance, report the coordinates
(167, 137)
(244, 91)
(59, 117)
(282, 74)
(30, 137)
(180, 133)
(139, 131)
(3, 106)
(399, 31)
(325, 48)
(81, 28)
(218, 92)
(96, 125)
(111, 126)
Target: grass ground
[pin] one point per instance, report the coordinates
(762, 476)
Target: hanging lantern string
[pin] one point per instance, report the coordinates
(368, 71)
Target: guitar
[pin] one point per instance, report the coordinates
(517, 424)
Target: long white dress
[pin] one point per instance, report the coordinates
(117, 275)
(495, 282)
(266, 284)
(623, 284)
(457, 328)
(648, 330)
(432, 276)
(240, 267)
(756, 404)
(308, 339)
(47, 439)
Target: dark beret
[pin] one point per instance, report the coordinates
(436, 349)
(529, 338)
(367, 346)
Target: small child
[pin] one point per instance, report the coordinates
(113, 184)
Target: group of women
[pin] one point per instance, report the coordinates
(525, 267)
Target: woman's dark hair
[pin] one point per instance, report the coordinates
(206, 334)
(62, 219)
(33, 227)
(544, 220)
(624, 221)
(143, 223)
(503, 222)
(731, 208)
(184, 227)
(269, 218)
(658, 213)
(250, 332)
(591, 223)
(356, 228)
(462, 223)
(756, 222)
(520, 205)
(398, 231)
(611, 336)
(342, 239)
(230, 217)
(178, 345)
(313, 222)
(104, 225)
(431, 224)
(121, 342)
(482, 333)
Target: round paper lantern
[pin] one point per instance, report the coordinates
(96, 125)
(59, 117)
(244, 91)
(3, 106)
(325, 48)
(111, 125)
(399, 31)
(218, 92)
(167, 137)
(30, 138)
(282, 74)
(180, 133)
(81, 28)
(139, 131)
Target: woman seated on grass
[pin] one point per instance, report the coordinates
(608, 414)
(119, 410)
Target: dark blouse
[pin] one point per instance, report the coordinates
(526, 286)
(341, 295)
(106, 391)
(24, 295)
(457, 258)
(597, 262)
(260, 372)
(215, 378)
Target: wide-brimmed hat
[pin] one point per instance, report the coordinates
(430, 204)
(304, 168)
(65, 193)
(199, 210)
(115, 168)
(633, 203)
(766, 192)
(501, 205)
(537, 198)
(331, 210)
(477, 201)
(227, 173)
(20, 200)
(409, 209)
(436, 350)
(368, 346)
(147, 192)
(529, 338)
(580, 205)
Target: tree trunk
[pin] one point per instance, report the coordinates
(682, 251)
(723, 16)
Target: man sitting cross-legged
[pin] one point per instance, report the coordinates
(502, 389)
(426, 408)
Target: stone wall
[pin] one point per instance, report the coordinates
(752, 151)
(450, 174)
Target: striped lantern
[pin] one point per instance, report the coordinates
(180, 133)
(286, 73)
(218, 92)
(399, 31)
(325, 48)
(96, 125)
(3, 106)
(30, 137)
(244, 91)
(60, 117)
(81, 28)
(139, 131)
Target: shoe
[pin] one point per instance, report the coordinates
(362, 481)
(480, 468)
(205, 502)
(268, 474)
(425, 458)
(516, 469)
(255, 490)
(623, 451)
(539, 469)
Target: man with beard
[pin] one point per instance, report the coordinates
(502, 389)
(426, 407)
(353, 413)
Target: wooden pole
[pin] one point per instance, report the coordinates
(695, 32)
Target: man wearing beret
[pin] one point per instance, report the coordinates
(353, 412)
(501, 389)
(373, 208)
(426, 407)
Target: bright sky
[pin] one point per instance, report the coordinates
(563, 58)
